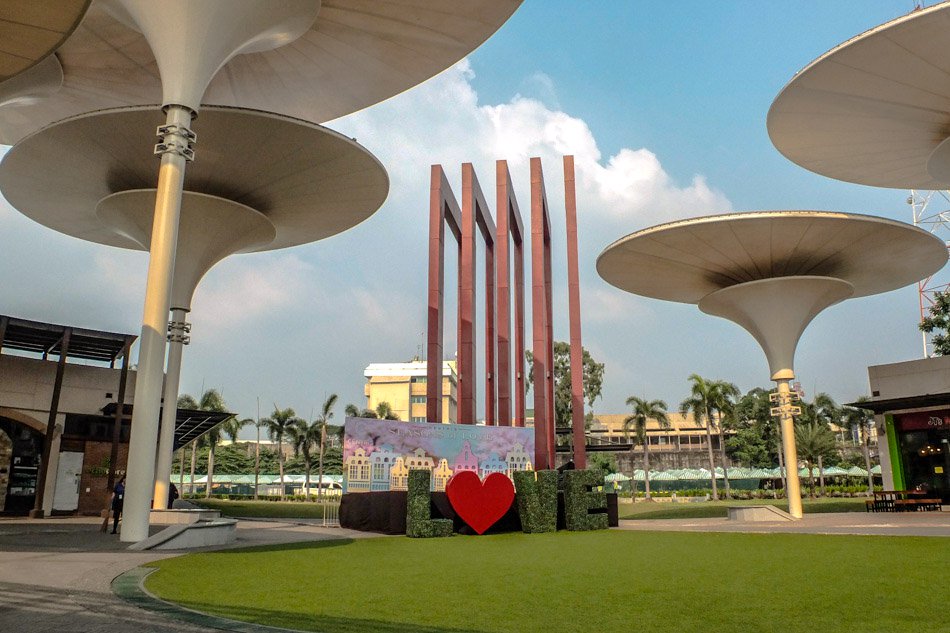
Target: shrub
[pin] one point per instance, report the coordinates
(583, 492)
(419, 521)
(537, 500)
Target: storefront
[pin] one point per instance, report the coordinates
(911, 402)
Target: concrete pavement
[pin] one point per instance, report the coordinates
(56, 574)
(868, 523)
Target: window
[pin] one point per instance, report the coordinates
(417, 399)
(419, 379)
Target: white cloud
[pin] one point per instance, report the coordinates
(294, 325)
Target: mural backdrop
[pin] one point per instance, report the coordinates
(378, 454)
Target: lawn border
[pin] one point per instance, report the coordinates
(130, 586)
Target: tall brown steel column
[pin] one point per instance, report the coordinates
(44, 474)
(475, 215)
(574, 312)
(541, 317)
(510, 233)
(443, 209)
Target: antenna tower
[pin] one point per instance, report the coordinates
(931, 210)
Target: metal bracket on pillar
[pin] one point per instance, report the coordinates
(178, 332)
(176, 139)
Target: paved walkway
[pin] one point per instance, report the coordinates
(873, 523)
(56, 574)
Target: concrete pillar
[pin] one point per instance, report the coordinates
(140, 471)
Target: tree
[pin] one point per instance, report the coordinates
(384, 411)
(723, 400)
(326, 413)
(353, 411)
(304, 437)
(861, 420)
(939, 321)
(211, 400)
(593, 380)
(277, 425)
(644, 410)
(815, 441)
(754, 442)
(702, 402)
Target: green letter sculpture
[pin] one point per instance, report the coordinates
(537, 500)
(419, 521)
(579, 499)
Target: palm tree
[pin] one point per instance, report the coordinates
(277, 424)
(353, 411)
(644, 410)
(304, 436)
(384, 411)
(862, 419)
(701, 402)
(724, 395)
(326, 414)
(814, 441)
(211, 400)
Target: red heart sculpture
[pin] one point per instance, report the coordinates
(480, 503)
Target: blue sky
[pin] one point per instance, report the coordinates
(664, 104)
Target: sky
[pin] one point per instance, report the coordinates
(663, 105)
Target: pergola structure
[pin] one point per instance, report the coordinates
(31, 33)
(304, 183)
(66, 342)
(874, 109)
(475, 216)
(772, 272)
(316, 60)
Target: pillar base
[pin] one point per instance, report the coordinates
(37, 514)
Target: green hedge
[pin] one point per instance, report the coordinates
(419, 521)
(537, 500)
(583, 492)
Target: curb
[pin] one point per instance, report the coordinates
(130, 587)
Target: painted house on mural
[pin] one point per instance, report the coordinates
(517, 459)
(493, 464)
(382, 461)
(357, 468)
(466, 459)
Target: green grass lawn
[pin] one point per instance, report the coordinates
(657, 582)
(713, 509)
(266, 509)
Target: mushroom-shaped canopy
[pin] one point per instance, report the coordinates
(31, 30)
(876, 109)
(355, 54)
(689, 259)
(308, 181)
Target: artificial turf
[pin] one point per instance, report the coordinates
(719, 509)
(654, 582)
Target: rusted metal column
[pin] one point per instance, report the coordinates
(574, 313)
(520, 391)
(44, 474)
(443, 208)
(436, 298)
(540, 289)
(491, 340)
(466, 306)
(549, 342)
(503, 289)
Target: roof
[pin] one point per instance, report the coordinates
(353, 55)
(189, 423)
(47, 338)
(874, 109)
(308, 181)
(688, 260)
(417, 368)
(31, 31)
(901, 404)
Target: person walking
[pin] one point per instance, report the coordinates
(172, 495)
(118, 496)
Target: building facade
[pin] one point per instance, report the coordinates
(403, 386)
(911, 402)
